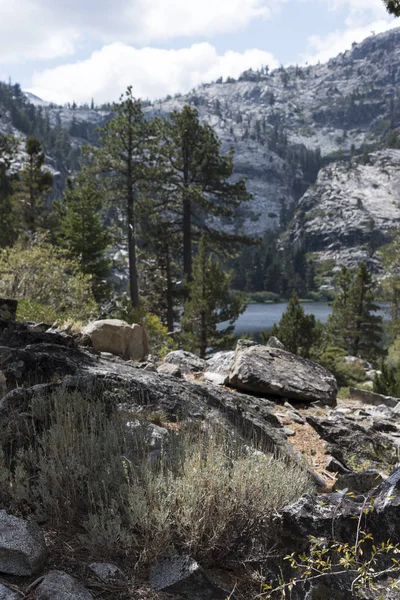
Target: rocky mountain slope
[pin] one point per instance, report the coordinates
(346, 215)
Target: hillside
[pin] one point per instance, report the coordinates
(284, 125)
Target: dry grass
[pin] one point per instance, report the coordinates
(89, 475)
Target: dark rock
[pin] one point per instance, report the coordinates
(354, 445)
(8, 309)
(57, 585)
(271, 371)
(372, 398)
(187, 362)
(23, 551)
(183, 575)
(360, 482)
(335, 466)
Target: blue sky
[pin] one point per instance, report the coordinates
(65, 50)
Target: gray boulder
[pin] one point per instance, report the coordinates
(23, 550)
(170, 369)
(275, 372)
(183, 576)
(273, 342)
(57, 585)
(7, 594)
(186, 361)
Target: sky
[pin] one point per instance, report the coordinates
(76, 50)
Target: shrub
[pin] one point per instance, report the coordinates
(42, 274)
(87, 471)
(347, 374)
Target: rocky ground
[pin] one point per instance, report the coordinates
(348, 446)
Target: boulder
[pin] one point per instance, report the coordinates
(183, 576)
(360, 482)
(58, 585)
(355, 446)
(186, 361)
(119, 338)
(273, 342)
(370, 397)
(8, 309)
(170, 369)
(23, 551)
(275, 372)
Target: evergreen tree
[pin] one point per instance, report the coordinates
(123, 157)
(8, 219)
(296, 330)
(82, 230)
(210, 302)
(198, 176)
(353, 324)
(33, 186)
(393, 7)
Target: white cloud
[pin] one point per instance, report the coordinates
(321, 49)
(152, 72)
(25, 35)
(43, 29)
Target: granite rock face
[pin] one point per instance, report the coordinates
(275, 372)
(58, 585)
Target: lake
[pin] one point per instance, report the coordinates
(259, 317)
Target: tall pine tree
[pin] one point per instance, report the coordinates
(210, 303)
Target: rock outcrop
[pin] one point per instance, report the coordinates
(275, 372)
(119, 338)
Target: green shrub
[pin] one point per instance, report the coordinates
(88, 472)
(262, 297)
(347, 374)
(38, 272)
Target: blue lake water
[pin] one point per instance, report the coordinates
(261, 317)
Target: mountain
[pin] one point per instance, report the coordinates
(285, 126)
(348, 213)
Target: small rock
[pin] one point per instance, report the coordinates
(8, 309)
(57, 585)
(169, 369)
(296, 417)
(183, 576)
(335, 466)
(216, 378)
(107, 572)
(273, 342)
(289, 432)
(23, 551)
(188, 362)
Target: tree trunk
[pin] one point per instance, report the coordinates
(170, 300)
(187, 239)
(133, 278)
(203, 335)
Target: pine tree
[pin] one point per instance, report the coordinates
(199, 177)
(393, 7)
(33, 186)
(354, 324)
(210, 303)
(82, 230)
(296, 330)
(124, 158)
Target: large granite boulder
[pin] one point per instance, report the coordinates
(118, 337)
(276, 372)
(23, 550)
